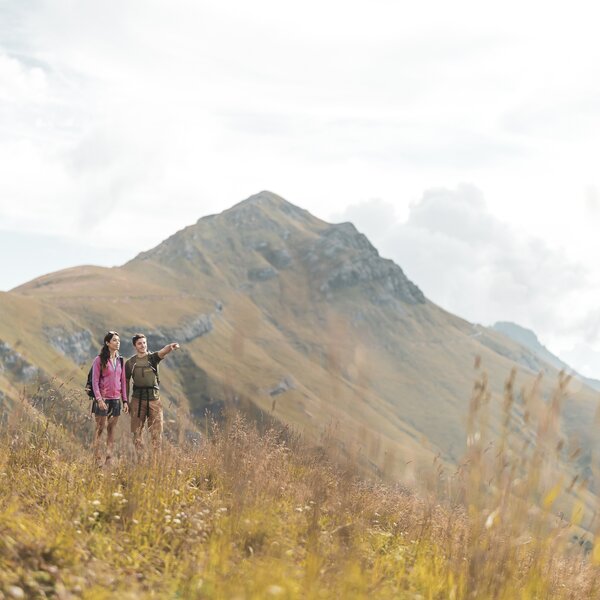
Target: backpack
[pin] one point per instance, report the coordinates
(89, 387)
(148, 378)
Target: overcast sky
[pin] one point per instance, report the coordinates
(462, 137)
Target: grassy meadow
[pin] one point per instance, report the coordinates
(248, 514)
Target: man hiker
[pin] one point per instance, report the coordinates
(145, 403)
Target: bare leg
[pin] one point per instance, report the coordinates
(110, 435)
(100, 425)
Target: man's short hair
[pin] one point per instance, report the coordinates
(136, 337)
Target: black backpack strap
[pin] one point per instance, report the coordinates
(154, 366)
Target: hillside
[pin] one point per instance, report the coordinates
(283, 315)
(262, 515)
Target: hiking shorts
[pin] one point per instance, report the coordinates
(113, 408)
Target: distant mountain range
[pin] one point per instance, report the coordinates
(283, 315)
(529, 340)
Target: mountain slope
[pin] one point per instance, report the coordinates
(283, 314)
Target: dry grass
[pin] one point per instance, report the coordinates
(259, 515)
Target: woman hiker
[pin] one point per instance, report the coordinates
(108, 382)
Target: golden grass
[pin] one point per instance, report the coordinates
(248, 515)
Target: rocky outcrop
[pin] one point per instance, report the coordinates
(190, 330)
(343, 258)
(253, 213)
(12, 362)
(261, 273)
(280, 258)
(287, 383)
(79, 346)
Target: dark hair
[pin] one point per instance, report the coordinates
(105, 352)
(136, 337)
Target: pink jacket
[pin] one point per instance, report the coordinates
(112, 383)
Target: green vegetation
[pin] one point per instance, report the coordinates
(247, 514)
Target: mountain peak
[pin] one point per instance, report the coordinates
(268, 204)
(265, 236)
(525, 336)
(264, 198)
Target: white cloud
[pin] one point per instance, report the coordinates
(586, 357)
(19, 83)
(142, 117)
(477, 266)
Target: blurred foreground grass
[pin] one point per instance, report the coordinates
(261, 515)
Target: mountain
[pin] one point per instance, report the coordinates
(285, 316)
(528, 339)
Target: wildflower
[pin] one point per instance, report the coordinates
(275, 590)
(117, 518)
(179, 472)
(135, 521)
(473, 438)
(489, 523)
(117, 495)
(175, 492)
(15, 591)
(177, 521)
(96, 502)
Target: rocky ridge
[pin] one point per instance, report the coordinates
(276, 236)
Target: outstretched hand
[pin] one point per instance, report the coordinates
(168, 348)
